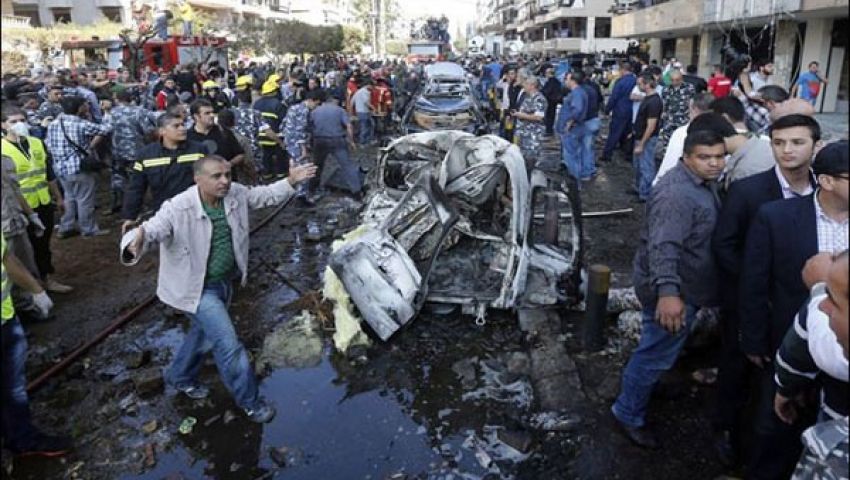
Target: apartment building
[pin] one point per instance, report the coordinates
(49, 12)
(551, 27)
(791, 33)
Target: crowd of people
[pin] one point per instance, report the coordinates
(746, 211)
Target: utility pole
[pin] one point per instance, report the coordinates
(382, 33)
(374, 17)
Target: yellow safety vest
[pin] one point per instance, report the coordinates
(8, 307)
(31, 172)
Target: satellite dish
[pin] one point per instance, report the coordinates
(476, 42)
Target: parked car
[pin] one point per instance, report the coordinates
(445, 101)
(455, 219)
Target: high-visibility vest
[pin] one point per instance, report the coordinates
(8, 307)
(31, 172)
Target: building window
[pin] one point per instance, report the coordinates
(61, 15)
(602, 28)
(31, 13)
(113, 14)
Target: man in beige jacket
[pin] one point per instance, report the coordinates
(203, 236)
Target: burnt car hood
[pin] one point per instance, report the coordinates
(451, 220)
(442, 104)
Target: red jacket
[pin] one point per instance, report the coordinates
(381, 99)
(350, 90)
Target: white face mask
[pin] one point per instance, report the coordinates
(20, 129)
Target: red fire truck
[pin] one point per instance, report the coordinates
(156, 53)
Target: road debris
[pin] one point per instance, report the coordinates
(187, 425)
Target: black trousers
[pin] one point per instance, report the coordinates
(41, 245)
(734, 374)
(549, 117)
(275, 160)
(777, 446)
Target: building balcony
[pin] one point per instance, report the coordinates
(14, 21)
(57, 3)
(715, 11)
(556, 45)
(595, 45)
(577, 45)
(672, 18)
(214, 4)
(828, 7)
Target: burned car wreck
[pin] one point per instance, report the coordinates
(445, 101)
(454, 219)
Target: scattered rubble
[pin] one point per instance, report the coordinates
(499, 386)
(187, 425)
(148, 381)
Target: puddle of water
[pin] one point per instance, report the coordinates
(329, 431)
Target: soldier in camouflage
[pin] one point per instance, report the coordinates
(677, 100)
(296, 129)
(825, 452)
(529, 128)
(50, 108)
(131, 126)
(249, 122)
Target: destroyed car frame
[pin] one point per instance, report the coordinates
(451, 220)
(445, 101)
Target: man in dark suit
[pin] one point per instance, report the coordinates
(794, 139)
(783, 235)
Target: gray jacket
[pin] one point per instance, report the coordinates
(184, 232)
(674, 256)
(755, 156)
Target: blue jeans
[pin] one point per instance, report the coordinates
(80, 190)
(588, 162)
(655, 354)
(621, 127)
(18, 430)
(212, 330)
(572, 150)
(366, 128)
(161, 26)
(348, 168)
(486, 84)
(644, 165)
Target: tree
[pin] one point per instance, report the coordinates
(460, 41)
(396, 47)
(47, 41)
(135, 39)
(368, 18)
(353, 39)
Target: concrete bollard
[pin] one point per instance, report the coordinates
(593, 329)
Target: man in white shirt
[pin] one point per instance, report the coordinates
(676, 144)
(361, 101)
(763, 75)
